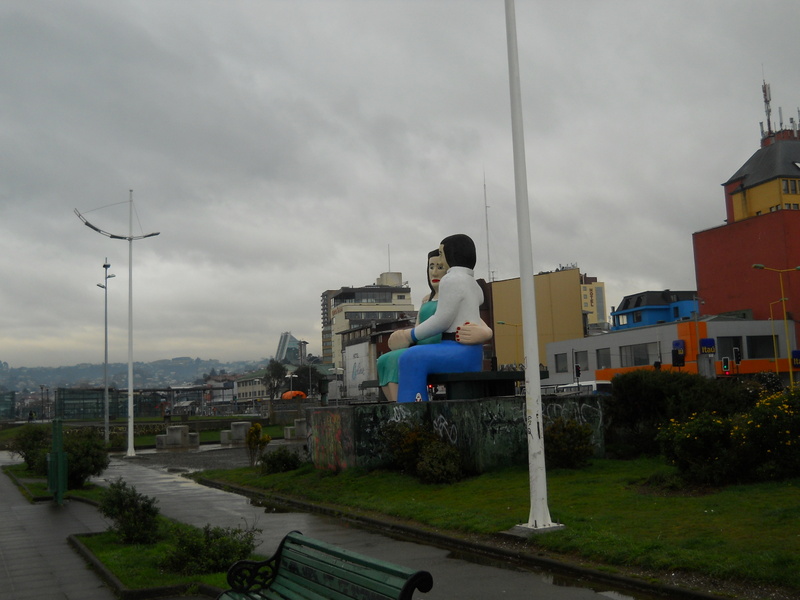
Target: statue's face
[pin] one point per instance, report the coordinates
(436, 271)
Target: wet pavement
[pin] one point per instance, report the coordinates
(35, 560)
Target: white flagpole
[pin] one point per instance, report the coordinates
(539, 517)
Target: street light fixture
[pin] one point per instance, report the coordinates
(104, 285)
(130, 238)
(783, 299)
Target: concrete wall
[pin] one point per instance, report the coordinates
(489, 432)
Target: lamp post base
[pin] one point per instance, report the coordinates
(523, 531)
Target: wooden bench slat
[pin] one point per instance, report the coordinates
(286, 589)
(322, 560)
(349, 555)
(342, 574)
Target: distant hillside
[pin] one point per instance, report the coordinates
(183, 370)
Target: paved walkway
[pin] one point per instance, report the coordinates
(35, 560)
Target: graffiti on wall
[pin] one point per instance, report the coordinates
(445, 430)
(332, 446)
(583, 410)
(488, 432)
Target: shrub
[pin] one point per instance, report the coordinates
(567, 444)
(418, 451)
(764, 384)
(758, 445)
(135, 515)
(701, 448)
(439, 462)
(210, 550)
(644, 400)
(86, 455)
(32, 444)
(280, 460)
(768, 435)
(256, 442)
(84, 447)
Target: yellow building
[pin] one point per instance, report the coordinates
(562, 311)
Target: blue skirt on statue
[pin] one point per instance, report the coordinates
(448, 356)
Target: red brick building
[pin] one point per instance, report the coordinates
(762, 201)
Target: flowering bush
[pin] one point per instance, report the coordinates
(770, 435)
(761, 444)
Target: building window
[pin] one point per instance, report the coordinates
(603, 357)
(582, 359)
(638, 355)
(793, 186)
(637, 316)
(785, 186)
(726, 344)
(561, 363)
(761, 346)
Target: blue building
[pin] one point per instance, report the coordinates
(652, 308)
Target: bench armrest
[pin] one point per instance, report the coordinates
(251, 575)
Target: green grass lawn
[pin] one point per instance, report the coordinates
(747, 533)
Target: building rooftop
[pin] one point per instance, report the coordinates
(650, 298)
(779, 159)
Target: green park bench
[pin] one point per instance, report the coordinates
(303, 568)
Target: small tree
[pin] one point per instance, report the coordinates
(86, 455)
(274, 375)
(256, 440)
(307, 379)
(135, 515)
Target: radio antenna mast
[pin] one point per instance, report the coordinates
(486, 214)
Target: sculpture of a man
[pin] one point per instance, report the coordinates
(460, 298)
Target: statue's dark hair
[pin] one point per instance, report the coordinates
(459, 251)
(431, 254)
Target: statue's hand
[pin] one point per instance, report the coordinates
(400, 339)
(473, 333)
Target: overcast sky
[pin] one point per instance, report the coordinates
(282, 148)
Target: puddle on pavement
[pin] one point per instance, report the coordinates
(268, 506)
(615, 593)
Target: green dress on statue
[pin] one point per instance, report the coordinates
(388, 371)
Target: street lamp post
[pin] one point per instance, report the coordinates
(774, 339)
(783, 299)
(539, 516)
(104, 285)
(130, 238)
